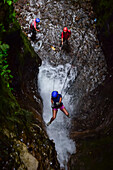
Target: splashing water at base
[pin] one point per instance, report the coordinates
(53, 77)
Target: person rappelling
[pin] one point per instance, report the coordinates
(34, 27)
(65, 35)
(56, 101)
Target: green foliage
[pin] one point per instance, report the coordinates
(2, 28)
(9, 2)
(12, 117)
(12, 16)
(7, 16)
(4, 71)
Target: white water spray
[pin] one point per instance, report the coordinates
(58, 131)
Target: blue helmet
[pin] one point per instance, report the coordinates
(54, 94)
(37, 20)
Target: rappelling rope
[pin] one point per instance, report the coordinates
(70, 86)
(66, 78)
(71, 68)
(53, 48)
(55, 75)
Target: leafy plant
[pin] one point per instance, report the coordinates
(4, 71)
(2, 28)
(9, 2)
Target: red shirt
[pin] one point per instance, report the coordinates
(66, 35)
(34, 23)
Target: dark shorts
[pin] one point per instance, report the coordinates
(65, 41)
(61, 107)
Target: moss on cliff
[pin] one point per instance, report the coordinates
(18, 124)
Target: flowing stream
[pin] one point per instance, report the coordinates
(83, 59)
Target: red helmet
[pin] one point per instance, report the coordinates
(65, 29)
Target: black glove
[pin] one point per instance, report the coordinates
(52, 105)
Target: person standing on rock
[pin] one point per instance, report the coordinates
(65, 35)
(34, 27)
(56, 100)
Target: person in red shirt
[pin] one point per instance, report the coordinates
(65, 35)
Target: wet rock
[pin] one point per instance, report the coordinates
(28, 160)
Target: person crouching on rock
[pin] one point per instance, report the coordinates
(56, 100)
(34, 27)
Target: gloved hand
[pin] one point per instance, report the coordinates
(52, 105)
(48, 123)
(57, 103)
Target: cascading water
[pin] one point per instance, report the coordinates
(52, 78)
(88, 68)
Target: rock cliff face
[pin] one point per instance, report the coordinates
(24, 143)
(92, 128)
(25, 63)
(104, 14)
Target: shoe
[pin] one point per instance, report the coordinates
(48, 123)
(68, 116)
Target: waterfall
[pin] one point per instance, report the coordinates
(58, 131)
(87, 56)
